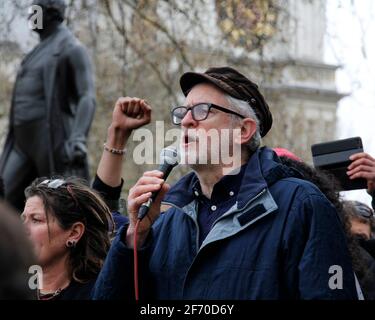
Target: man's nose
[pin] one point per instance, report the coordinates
(188, 121)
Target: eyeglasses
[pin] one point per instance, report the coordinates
(199, 112)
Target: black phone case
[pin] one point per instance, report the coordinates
(334, 157)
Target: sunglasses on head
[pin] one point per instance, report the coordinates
(57, 183)
(53, 183)
(363, 210)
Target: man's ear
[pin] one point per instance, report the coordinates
(76, 232)
(247, 130)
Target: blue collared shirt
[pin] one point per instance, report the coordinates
(223, 197)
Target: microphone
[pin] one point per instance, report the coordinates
(169, 158)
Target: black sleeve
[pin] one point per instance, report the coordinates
(111, 195)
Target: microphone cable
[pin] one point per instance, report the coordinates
(169, 158)
(135, 254)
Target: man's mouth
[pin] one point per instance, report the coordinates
(187, 139)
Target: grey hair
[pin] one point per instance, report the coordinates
(243, 107)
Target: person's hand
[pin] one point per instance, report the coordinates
(75, 151)
(130, 114)
(150, 182)
(363, 166)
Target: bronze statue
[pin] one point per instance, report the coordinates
(52, 108)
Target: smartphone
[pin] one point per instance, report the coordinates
(334, 156)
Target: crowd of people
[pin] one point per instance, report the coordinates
(272, 230)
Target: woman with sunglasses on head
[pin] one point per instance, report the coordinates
(69, 226)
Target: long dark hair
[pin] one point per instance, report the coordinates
(70, 200)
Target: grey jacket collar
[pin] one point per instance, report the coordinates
(235, 219)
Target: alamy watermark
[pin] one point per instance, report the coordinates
(36, 278)
(35, 17)
(336, 280)
(196, 146)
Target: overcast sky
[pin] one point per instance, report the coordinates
(350, 43)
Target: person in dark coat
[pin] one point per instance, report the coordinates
(330, 187)
(246, 229)
(52, 108)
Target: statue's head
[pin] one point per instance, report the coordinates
(53, 10)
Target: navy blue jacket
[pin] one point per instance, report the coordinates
(278, 242)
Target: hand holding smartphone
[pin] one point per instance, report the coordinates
(334, 157)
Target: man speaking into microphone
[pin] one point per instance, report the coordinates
(256, 231)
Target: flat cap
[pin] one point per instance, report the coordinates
(237, 86)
